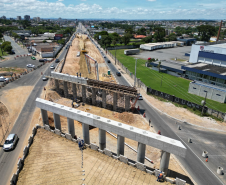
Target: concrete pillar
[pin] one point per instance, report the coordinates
(127, 103)
(85, 131)
(74, 91)
(114, 101)
(102, 139)
(104, 99)
(164, 162)
(84, 93)
(141, 152)
(65, 90)
(44, 117)
(56, 118)
(71, 127)
(57, 85)
(225, 117)
(94, 96)
(120, 145)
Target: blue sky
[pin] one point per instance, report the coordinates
(118, 9)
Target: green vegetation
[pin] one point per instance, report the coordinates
(2, 53)
(178, 59)
(170, 84)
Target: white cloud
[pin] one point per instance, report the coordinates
(151, 0)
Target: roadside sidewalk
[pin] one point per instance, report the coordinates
(178, 113)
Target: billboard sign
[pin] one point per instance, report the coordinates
(57, 38)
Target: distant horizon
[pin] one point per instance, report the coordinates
(117, 9)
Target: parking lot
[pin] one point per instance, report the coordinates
(166, 54)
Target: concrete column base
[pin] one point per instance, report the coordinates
(164, 162)
(74, 91)
(120, 145)
(84, 93)
(65, 90)
(57, 123)
(104, 99)
(127, 103)
(102, 139)
(44, 117)
(85, 131)
(141, 152)
(71, 127)
(94, 96)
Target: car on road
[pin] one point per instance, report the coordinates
(30, 65)
(10, 142)
(109, 61)
(33, 58)
(42, 60)
(29, 54)
(12, 52)
(140, 97)
(118, 73)
(57, 60)
(52, 67)
(3, 79)
(44, 78)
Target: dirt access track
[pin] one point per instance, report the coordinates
(74, 64)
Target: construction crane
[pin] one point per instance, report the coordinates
(218, 35)
(96, 65)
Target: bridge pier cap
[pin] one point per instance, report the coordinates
(158, 141)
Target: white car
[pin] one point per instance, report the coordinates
(140, 97)
(29, 54)
(3, 79)
(52, 67)
(10, 142)
(30, 65)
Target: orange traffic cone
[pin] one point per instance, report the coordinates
(144, 115)
(206, 159)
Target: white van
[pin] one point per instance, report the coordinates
(78, 54)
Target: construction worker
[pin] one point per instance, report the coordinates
(159, 132)
(81, 144)
(160, 177)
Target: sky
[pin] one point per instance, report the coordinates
(115, 9)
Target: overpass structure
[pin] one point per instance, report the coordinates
(95, 85)
(166, 144)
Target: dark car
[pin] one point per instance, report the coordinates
(109, 61)
(12, 52)
(42, 60)
(57, 60)
(118, 73)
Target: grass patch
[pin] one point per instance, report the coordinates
(4, 53)
(11, 69)
(170, 84)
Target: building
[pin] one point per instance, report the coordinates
(213, 53)
(36, 19)
(207, 73)
(18, 18)
(207, 90)
(187, 41)
(27, 17)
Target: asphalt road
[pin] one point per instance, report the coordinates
(9, 159)
(202, 173)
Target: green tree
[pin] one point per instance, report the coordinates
(141, 31)
(105, 40)
(8, 48)
(206, 31)
(1, 36)
(147, 39)
(126, 38)
(159, 34)
(129, 30)
(172, 37)
(5, 44)
(61, 41)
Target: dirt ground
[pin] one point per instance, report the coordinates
(4, 122)
(76, 64)
(55, 160)
(13, 101)
(177, 112)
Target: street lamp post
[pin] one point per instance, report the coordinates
(135, 73)
(115, 55)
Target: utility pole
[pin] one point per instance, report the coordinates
(204, 104)
(161, 80)
(135, 73)
(115, 55)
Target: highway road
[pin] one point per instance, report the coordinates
(9, 159)
(202, 173)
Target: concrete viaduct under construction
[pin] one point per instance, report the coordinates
(167, 145)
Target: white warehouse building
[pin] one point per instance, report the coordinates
(159, 45)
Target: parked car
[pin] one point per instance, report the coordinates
(29, 54)
(44, 78)
(52, 67)
(10, 142)
(33, 58)
(109, 61)
(57, 60)
(42, 60)
(30, 65)
(140, 97)
(3, 79)
(118, 73)
(12, 52)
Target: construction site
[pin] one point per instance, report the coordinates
(84, 91)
